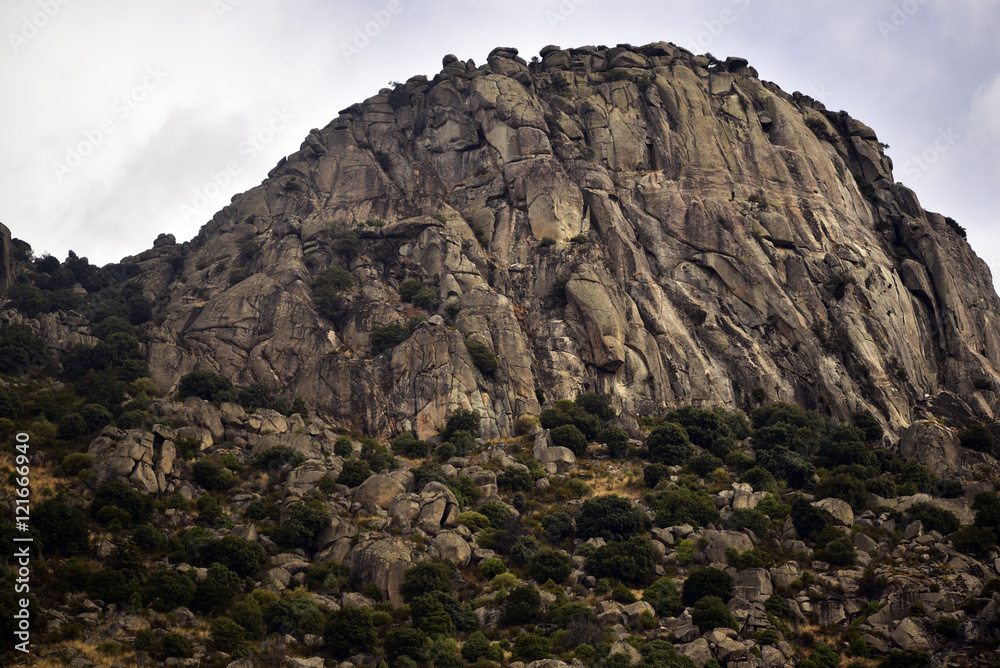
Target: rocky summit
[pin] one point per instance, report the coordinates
(620, 356)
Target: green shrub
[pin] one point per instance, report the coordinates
(557, 526)
(217, 591)
(664, 597)
(73, 463)
(492, 567)
(174, 645)
(652, 474)
(354, 472)
(531, 648)
(211, 476)
(682, 505)
(522, 606)
(705, 463)
(773, 508)
(249, 615)
(709, 429)
(598, 405)
(482, 357)
(710, 612)
(112, 586)
(632, 561)
(515, 478)
(610, 517)
(139, 506)
(388, 336)
(475, 647)
(755, 557)
(350, 631)
(405, 642)
(933, 518)
(906, 659)
(461, 420)
(427, 577)
(808, 519)
(824, 656)
(839, 551)
(551, 564)
(706, 582)
(168, 589)
(408, 445)
(615, 438)
(497, 513)
(869, 424)
(749, 518)
(669, 444)
(917, 475)
(132, 419)
(569, 436)
(409, 288)
(524, 549)
(206, 385)
(63, 527)
(343, 447)
(302, 521)
(846, 488)
(977, 437)
(229, 637)
(975, 540)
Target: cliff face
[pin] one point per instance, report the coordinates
(6, 262)
(638, 221)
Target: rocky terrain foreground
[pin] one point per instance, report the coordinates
(617, 357)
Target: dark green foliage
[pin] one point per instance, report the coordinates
(18, 347)
(611, 518)
(529, 648)
(808, 520)
(777, 606)
(917, 475)
(906, 659)
(462, 441)
(987, 507)
(844, 445)
(632, 561)
(174, 645)
(167, 589)
(705, 463)
(429, 472)
(482, 357)
(408, 445)
(550, 564)
(350, 631)
(475, 647)
(206, 385)
(839, 282)
(62, 525)
(598, 405)
(405, 642)
(73, 575)
(95, 416)
(568, 436)
(516, 479)
(217, 591)
(622, 594)
(492, 567)
(276, 457)
(243, 557)
(139, 506)
(712, 430)
(781, 449)
(869, 424)
(255, 395)
(882, 485)
(462, 420)
(389, 336)
(148, 538)
(211, 476)
(933, 518)
(248, 614)
(522, 606)
(710, 612)
(72, 425)
(426, 577)
(10, 403)
(327, 577)
(976, 437)
(652, 474)
(112, 586)
(302, 521)
(342, 447)
(524, 549)
(661, 654)
(947, 488)
(683, 505)
(669, 444)
(132, 419)
(429, 615)
(664, 597)
(839, 551)
(557, 526)
(229, 637)
(846, 488)
(615, 438)
(773, 508)
(749, 518)
(337, 278)
(409, 288)
(706, 582)
(790, 414)
(823, 656)
(497, 513)
(378, 456)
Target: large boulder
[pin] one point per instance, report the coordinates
(837, 511)
(382, 562)
(720, 541)
(378, 491)
(753, 584)
(913, 634)
(452, 547)
(933, 445)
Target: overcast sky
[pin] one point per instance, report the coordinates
(124, 119)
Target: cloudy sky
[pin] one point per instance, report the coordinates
(125, 119)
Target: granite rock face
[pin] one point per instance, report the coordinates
(663, 226)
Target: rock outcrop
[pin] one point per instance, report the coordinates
(6, 262)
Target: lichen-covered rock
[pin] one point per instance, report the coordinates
(837, 511)
(382, 562)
